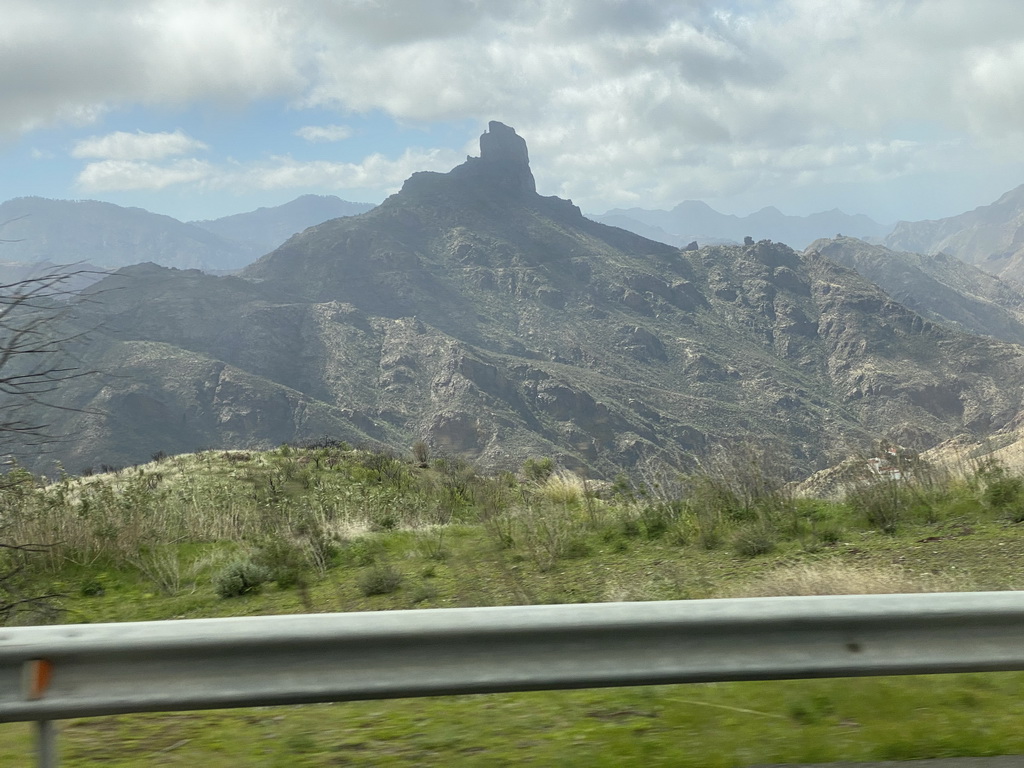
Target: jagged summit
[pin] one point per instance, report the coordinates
(503, 165)
(503, 154)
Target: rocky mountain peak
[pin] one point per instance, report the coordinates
(504, 158)
(501, 144)
(503, 166)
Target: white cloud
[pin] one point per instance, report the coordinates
(376, 172)
(69, 61)
(619, 99)
(324, 132)
(137, 146)
(122, 175)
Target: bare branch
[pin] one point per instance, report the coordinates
(34, 363)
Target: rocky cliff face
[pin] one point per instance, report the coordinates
(497, 323)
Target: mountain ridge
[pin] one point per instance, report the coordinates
(990, 237)
(694, 220)
(940, 287)
(495, 323)
(39, 230)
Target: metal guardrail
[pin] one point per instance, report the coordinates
(55, 672)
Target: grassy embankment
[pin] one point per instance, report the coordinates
(332, 529)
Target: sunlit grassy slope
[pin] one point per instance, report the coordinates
(328, 528)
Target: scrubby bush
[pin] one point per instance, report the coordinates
(1001, 489)
(754, 541)
(360, 552)
(284, 559)
(882, 503)
(538, 470)
(241, 577)
(380, 580)
(659, 518)
(421, 453)
(424, 592)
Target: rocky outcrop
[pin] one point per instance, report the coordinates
(505, 158)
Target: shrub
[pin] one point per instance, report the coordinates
(421, 453)
(430, 545)
(241, 577)
(629, 527)
(361, 552)
(380, 580)
(538, 470)
(284, 559)
(829, 532)
(424, 592)
(881, 503)
(709, 538)
(1003, 490)
(754, 541)
(576, 548)
(658, 518)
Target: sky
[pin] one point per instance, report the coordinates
(197, 109)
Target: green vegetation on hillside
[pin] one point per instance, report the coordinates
(331, 528)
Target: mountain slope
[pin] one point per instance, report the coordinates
(991, 237)
(496, 323)
(939, 287)
(110, 236)
(266, 228)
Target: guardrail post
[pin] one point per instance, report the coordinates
(46, 743)
(36, 675)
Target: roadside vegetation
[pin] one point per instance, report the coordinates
(329, 527)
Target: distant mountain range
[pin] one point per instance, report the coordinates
(991, 237)
(494, 323)
(694, 221)
(107, 236)
(940, 287)
(266, 228)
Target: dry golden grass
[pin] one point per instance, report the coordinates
(563, 488)
(836, 578)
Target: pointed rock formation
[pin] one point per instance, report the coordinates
(503, 167)
(504, 157)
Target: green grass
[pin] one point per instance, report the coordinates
(734, 724)
(331, 523)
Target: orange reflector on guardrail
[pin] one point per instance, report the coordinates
(36, 677)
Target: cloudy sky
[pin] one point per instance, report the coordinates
(200, 108)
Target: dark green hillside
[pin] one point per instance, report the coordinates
(496, 324)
